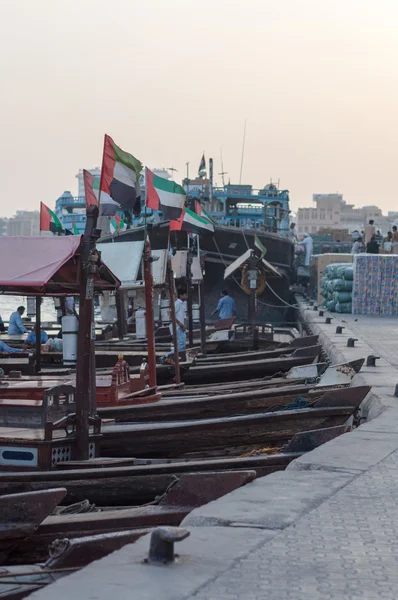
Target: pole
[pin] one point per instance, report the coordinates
(92, 393)
(121, 314)
(149, 320)
(189, 282)
(85, 391)
(38, 334)
(243, 153)
(202, 318)
(170, 281)
(211, 183)
(252, 297)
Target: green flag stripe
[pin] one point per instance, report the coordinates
(128, 160)
(55, 219)
(167, 185)
(198, 218)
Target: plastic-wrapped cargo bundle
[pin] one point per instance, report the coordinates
(344, 307)
(375, 284)
(336, 288)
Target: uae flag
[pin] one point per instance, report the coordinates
(49, 220)
(193, 223)
(91, 188)
(202, 166)
(117, 224)
(120, 181)
(165, 195)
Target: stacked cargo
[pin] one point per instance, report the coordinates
(320, 263)
(336, 287)
(375, 284)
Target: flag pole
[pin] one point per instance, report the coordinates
(202, 314)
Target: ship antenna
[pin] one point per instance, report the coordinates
(222, 169)
(243, 153)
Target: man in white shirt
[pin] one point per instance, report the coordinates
(180, 310)
(370, 231)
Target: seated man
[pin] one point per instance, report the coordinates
(16, 326)
(31, 338)
(7, 349)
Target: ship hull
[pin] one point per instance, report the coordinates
(221, 250)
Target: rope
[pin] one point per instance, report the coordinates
(158, 499)
(78, 508)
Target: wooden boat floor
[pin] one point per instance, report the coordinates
(110, 428)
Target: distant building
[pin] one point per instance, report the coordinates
(24, 223)
(332, 212)
(80, 181)
(3, 226)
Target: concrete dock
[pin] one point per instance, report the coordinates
(326, 528)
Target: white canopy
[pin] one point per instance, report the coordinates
(245, 257)
(124, 259)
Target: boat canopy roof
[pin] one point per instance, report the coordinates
(237, 264)
(49, 266)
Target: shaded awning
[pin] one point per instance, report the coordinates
(46, 266)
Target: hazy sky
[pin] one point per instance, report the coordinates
(316, 80)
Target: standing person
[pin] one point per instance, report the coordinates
(180, 310)
(372, 247)
(394, 240)
(370, 231)
(226, 306)
(308, 243)
(2, 326)
(357, 246)
(387, 243)
(16, 326)
(292, 233)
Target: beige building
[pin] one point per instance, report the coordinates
(24, 223)
(330, 211)
(325, 214)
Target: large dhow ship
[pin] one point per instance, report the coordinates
(241, 214)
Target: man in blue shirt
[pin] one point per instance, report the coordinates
(31, 338)
(16, 326)
(226, 307)
(8, 350)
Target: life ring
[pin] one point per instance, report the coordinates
(261, 282)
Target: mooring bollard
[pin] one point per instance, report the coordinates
(161, 548)
(396, 391)
(328, 320)
(339, 329)
(315, 307)
(371, 360)
(321, 313)
(351, 342)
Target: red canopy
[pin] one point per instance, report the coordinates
(45, 265)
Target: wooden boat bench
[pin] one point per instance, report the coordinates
(56, 403)
(18, 361)
(48, 439)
